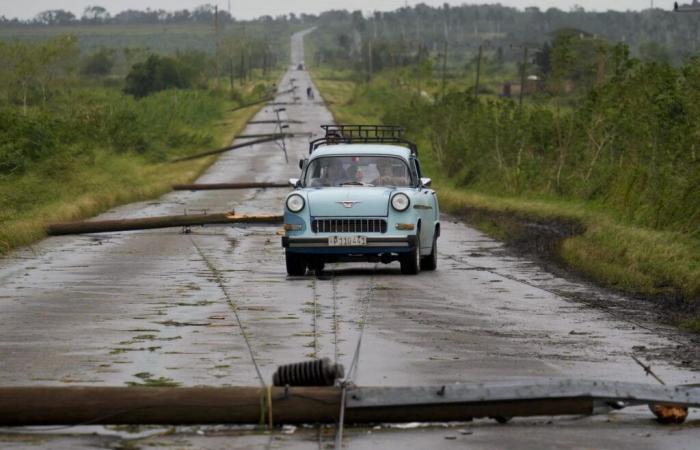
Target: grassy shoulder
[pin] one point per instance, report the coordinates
(91, 180)
(654, 263)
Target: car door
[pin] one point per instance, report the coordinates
(425, 207)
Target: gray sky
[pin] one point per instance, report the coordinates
(248, 9)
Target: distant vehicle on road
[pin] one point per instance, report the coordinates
(361, 197)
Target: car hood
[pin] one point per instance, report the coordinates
(359, 201)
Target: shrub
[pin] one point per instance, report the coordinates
(158, 73)
(99, 63)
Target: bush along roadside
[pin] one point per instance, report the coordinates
(76, 157)
(622, 164)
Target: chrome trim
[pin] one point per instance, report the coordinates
(349, 225)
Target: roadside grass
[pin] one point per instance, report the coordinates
(63, 189)
(632, 259)
(663, 265)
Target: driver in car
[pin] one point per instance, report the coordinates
(334, 174)
(386, 175)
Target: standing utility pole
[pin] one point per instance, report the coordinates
(369, 60)
(522, 75)
(444, 68)
(216, 37)
(478, 72)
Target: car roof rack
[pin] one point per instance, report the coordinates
(363, 134)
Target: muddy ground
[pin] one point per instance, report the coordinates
(146, 307)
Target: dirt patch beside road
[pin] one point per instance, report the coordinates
(542, 239)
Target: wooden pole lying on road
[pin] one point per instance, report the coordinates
(23, 406)
(225, 149)
(258, 122)
(279, 135)
(145, 223)
(162, 405)
(73, 405)
(216, 186)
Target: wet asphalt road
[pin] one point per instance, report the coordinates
(100, 309)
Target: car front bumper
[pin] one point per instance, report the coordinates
(375, 245)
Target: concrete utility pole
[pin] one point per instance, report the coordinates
(523, 71)
(369, 60)
(478, 72)
(216, 37)
(444, 67)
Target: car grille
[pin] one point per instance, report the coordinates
(344, 225)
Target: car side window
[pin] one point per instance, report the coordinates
(420, 174)
(415, 170)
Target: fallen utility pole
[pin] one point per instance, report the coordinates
(279, 135)
(247, 105)
(216, 186)
(262, 100)
(274, 121)
(225, 149)
(146, 223)
(21, 406)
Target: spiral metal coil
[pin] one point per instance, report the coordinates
(319, 372)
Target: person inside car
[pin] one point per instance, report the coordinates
(334, 174)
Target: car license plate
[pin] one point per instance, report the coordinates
(346, 241)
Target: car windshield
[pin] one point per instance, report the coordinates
(357, 171)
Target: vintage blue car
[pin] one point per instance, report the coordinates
(361, 197)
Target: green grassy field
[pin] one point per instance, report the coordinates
(611, 249)
(84, 178)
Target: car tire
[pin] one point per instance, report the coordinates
(296, 264)
(410, 263)
(430, 262)
(317, 266)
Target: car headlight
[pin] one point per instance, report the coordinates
(400, 202)
(295, 203)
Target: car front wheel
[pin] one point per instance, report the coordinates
(410, 262)
(430, 262)
(296, 264)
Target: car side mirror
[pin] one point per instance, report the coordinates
(301, 163)
(426, 182)
(294, 182)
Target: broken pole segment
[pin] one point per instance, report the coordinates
(258, 122)
(146, 223)
(217, 186)
(20, 406)
(264, 135)
(225, 149)
(247, 105)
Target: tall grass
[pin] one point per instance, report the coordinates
(80, 155)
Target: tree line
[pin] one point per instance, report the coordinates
(400, 37)
(99, 15)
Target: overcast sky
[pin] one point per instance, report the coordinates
(249, 8)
